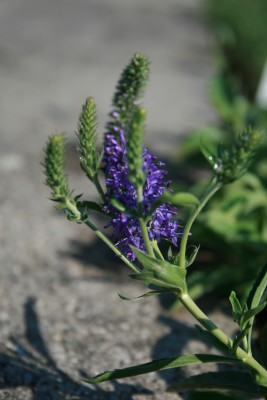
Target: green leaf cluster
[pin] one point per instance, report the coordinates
(160, 274)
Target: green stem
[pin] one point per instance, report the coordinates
(212, 188)
(142, 223)
(156, 247)
(72, 207)
(99, 188)
(203, 319)
(111, 245)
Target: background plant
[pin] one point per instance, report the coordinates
(233, 230)
(142, 210)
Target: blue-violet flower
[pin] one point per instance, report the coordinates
(126, 228)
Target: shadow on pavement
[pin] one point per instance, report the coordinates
(36, 369)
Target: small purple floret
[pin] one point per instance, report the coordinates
(126, 228)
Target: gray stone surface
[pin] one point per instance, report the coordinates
(60, 316)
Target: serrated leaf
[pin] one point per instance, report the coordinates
(159, 365)
(147, 294)
(209, 338)
(166, 274)
(223, 380)
(236, 306)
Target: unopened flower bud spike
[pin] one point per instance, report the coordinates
(56, 179)
(129, 89)
(136, 175)
(90, 158)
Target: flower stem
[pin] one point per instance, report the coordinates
(111, 245)
(211, 190)
(72, 207)
(99, 188)
(240, 354)
(142, 223)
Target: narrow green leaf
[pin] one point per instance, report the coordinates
(61, 207)
(179, 199)
(238, 339)
(208, 155)
(258, 289)
(159, 365)
(170, 253)
(236, 307)
(117, 204)
(251, 313)
(90, 205)
(256, 294)
(121, 207)
(192, 257)
(147, 294)
(223, 380)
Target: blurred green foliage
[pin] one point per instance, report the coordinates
(233, 229)
(241, 29)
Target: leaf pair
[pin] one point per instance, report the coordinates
(160, 273)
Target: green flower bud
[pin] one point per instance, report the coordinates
(129, 89)
(135, 148)
(54, 168)
(232, 162)
(90, 159)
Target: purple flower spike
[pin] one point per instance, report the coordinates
(126, 228)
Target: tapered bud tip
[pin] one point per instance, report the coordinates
(140, 57)
(89, 101)
(143, 113)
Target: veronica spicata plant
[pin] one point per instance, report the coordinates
(142, 210)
